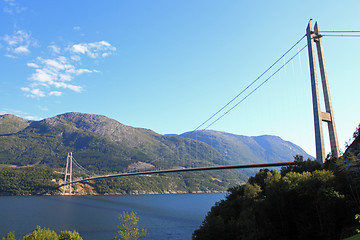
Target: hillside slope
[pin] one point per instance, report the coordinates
(99, 142)
(11, 124)
(238, 149)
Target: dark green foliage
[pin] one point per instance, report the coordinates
(347, 174)
(297, 204)
(27, 181)
(301, 166)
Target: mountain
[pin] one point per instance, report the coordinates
(238, 149)
(103, 145)
(99, 142)
(11, 124)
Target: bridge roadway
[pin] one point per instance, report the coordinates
(259, 165)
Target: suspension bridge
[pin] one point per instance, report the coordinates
(314, 39)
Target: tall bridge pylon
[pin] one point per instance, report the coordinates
(68, 173)
(314, 38)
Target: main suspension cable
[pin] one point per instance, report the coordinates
(252, 83)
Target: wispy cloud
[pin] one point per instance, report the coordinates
(54, 49)
(94, 49)
(18, 43)
(12, 7)
(43, 108)
(55, 93)
(33, 93)
(59, 71)
(12, 111)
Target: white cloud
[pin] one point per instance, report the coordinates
(53, 73)
(25, 89)
(75, 58)
(65, 77)
(55, 93)
(33, 65)
(74, 88)
(54, 49)
(76, 28)
(10, 56)
(43, 75)
(79, 48)
(21, 50)
(94, 49)
(33, 93)
(37, 92)
(17, 38)
(59, 71)
(18, 43)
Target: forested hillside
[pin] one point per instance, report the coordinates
(103, 145)
(303, 201)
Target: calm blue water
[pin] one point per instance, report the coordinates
(173, 216)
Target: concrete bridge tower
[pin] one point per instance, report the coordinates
(314, 38)
(68, 173)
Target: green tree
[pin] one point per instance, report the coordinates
(68, 235)
(303, 202)
(41, 234)
(9, 236)
(128, 229)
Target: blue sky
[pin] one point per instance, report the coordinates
(169, 65)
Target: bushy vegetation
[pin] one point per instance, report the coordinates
(46, 234)
(304, 201)
(27, 180)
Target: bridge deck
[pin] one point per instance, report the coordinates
(260, 165)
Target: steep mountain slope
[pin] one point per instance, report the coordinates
(100, 143)
(11, 124)
(238, 149)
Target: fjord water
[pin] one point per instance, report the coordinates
(173, 216)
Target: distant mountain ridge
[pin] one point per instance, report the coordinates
(239, 149)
